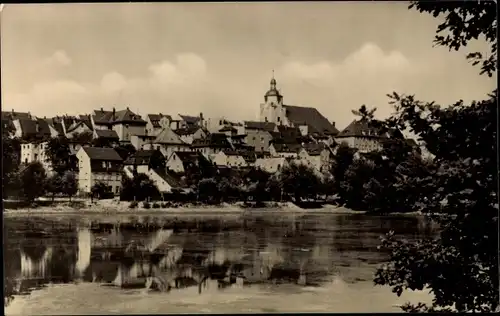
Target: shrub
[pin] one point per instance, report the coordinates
(156, 205)
(133, 204)
(164, 205)
(146, 205)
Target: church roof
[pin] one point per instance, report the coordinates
(311, 117)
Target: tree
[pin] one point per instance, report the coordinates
(59, 155)
(299, 181)
(53, 185)
(69, 184)
(100, 190)
(33, 179)
(343, 159)
(460, 266)
(208, 189)
(139, 188)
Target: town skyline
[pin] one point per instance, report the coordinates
(74, 58)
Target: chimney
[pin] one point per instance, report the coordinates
(12, 111)
(114, 113)
(161, 115)
(201, 116)
(333, 123)
(102, 110)
(37, 127)
(44, 117)
(128, 108)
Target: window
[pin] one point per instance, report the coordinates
(104, 164)
(36, 156)
(278, 118)
(26, 160)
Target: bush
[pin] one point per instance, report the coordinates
(164, 205)
(133, 204)
(156, 205)
(146, 205)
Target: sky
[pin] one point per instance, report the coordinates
(218, 58)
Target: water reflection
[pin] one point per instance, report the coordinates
(164, 255)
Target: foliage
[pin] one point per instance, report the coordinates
(156, 205)
(300, 181)
(53, 184)
(146, 205)
(11, 153)
(140, 188)
(465, 21)
(208, 190)
(342, 161)
(69, 183)
(59, 155)
(33, 179)
(133, 204)
(460, 266)
(101, 190)
(125, 150)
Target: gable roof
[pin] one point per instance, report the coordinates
(265, 126)
(314, 149)
(117, 117)
(168, 136)
(106, 133)
(361, 128)
(190, 119)
(228, 129)
(141, 157)
(214, 140)
(287, 148)
(155, 119)
(12, 115)
(311, 117)
(38, 128)
(102, 153)
(56, 124)
(187, 131)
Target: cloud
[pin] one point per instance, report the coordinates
(363, 77)
(168, 83)
(59, 58)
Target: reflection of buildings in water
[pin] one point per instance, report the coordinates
(84, 236)
(221, 255)
(36, 269)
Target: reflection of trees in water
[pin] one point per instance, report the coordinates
(296, 249)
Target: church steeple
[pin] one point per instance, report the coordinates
(273, 92)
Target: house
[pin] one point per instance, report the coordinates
(285, 150)
(143, 141)
(98, 164)
(168, 142)
(185, 121)
(212, 144)
(143, 160)
(124, 122)
(106, 136)
(309, 120)
(214, 124)
(259, 134)
(27, 129)
(230, 158)
(55, 126)
(316, 155)
(362, 135)
(9, 117)
(271, 164)
(35, 151)
(156, 122)
(189, 134)
(77, 125)
(180, 161)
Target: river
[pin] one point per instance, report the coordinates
(265, 262)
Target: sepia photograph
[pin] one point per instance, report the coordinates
(250, 157)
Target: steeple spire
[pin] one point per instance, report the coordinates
(273, 82)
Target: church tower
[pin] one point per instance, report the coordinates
(272, 109)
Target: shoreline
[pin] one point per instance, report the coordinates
(107, 207)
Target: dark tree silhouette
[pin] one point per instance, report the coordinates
(460, 267)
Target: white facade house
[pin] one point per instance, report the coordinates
(97, 164)
(125, 122)
(271, 164)
(316, 156)
(231, 159)
(36, 152)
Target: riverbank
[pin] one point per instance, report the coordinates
(121, 207)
